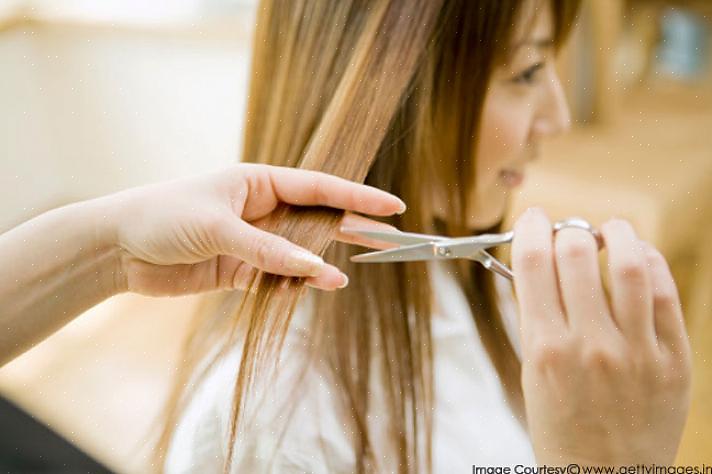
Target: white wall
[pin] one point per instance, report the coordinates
(85, 111)
(153, 12)
(9, 8)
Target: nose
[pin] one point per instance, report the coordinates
(553, 117)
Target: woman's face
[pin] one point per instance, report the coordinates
(524, 103)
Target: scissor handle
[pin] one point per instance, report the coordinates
(491, 263)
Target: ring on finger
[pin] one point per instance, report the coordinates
(580, 223)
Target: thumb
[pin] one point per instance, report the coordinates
(266, 251)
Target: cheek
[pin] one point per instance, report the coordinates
(503, 137)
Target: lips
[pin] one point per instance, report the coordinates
(512, 178)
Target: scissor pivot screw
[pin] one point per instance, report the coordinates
(444, 252)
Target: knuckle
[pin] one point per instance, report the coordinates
(262, 252)
(601, 358)
(320, 189)
(655, 369)
(532, 258)
(679, 355)
(629, 269)
(573, 248)
(549, 353)
(665, 297)
(672, 378)
(277, 257)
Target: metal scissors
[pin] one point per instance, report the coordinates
(418, 247)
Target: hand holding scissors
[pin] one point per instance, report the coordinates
(606, 381)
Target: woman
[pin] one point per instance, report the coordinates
(410, 367)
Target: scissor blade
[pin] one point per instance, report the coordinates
(398, 237)
(409, 253)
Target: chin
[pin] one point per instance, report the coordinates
(488, 218)
(485, 223)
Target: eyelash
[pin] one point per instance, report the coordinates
(527, 77)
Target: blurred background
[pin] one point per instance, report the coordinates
(100, 96)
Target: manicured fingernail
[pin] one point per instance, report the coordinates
(305, 262)
(344, 281)
(402, 208)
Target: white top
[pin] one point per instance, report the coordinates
(472, 424)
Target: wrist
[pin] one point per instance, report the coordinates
(64, 262)
(102, 216)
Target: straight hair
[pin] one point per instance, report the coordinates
(389, 93)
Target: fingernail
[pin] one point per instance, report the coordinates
(403, 207)
(305, 262)
(344, 281)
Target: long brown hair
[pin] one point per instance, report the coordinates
(389, 92)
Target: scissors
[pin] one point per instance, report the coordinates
(418, 247)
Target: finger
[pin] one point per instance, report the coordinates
(264, 250)
(631, 291)
(534, 273)
(669, 321)
(315, 188)
(580, 281)
(351, 220)
(330, 279)
(217, 273)
(360, 222)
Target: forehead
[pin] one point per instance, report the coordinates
(535, 24)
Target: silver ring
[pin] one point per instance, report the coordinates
(580, 223)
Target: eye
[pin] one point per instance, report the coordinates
(529, 74)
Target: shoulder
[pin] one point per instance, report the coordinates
(291, 422)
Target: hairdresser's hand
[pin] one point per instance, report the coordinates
(605, 382)
(197, 234)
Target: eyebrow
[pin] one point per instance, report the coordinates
(537, 43)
